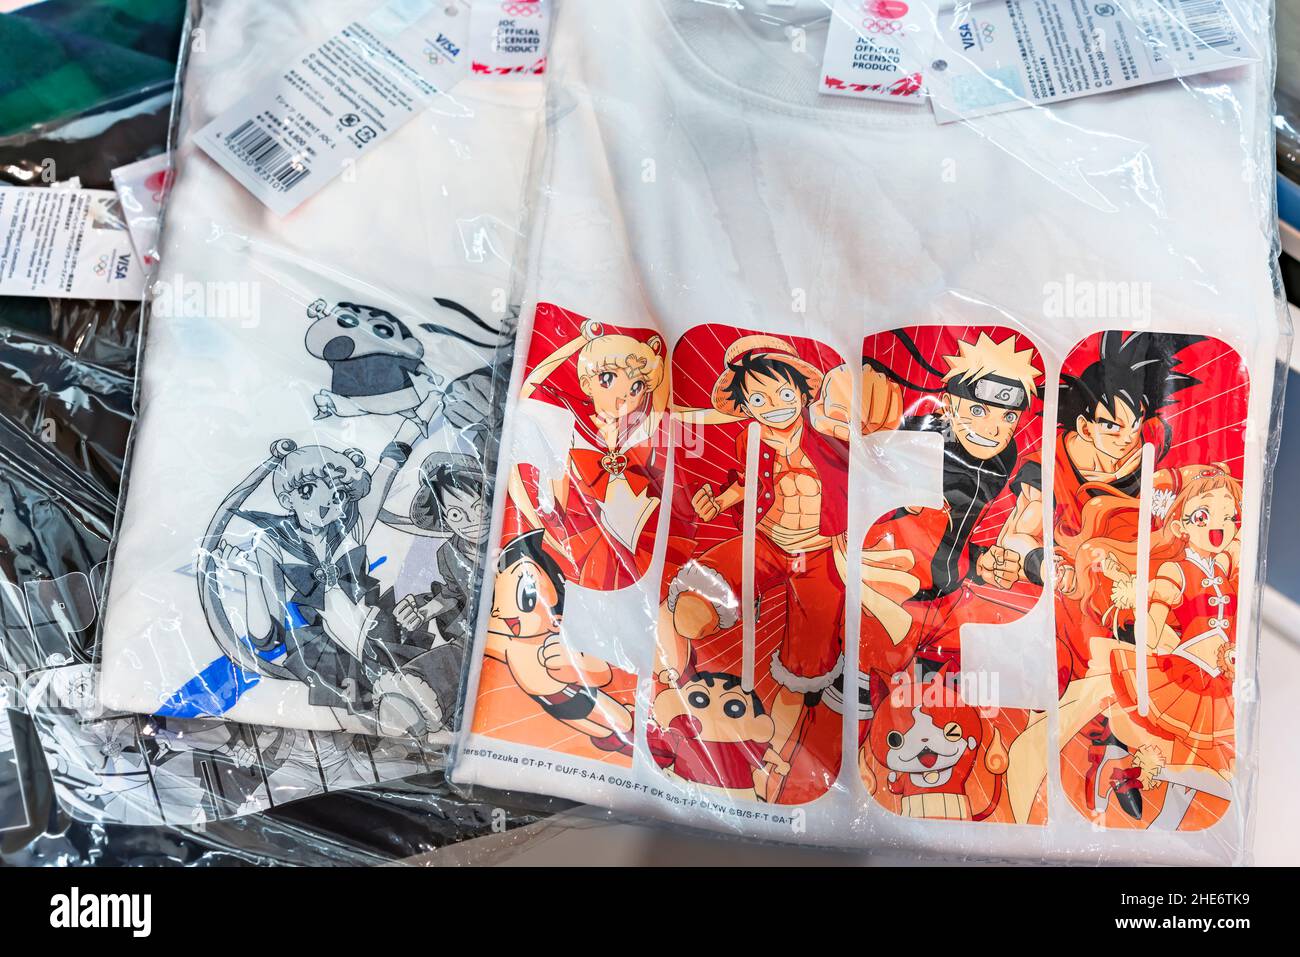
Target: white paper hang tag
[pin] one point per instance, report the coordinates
(873, 53)
(66, 244)
(304, 125)
(508, 37)
(1005, 55)
(141, 189)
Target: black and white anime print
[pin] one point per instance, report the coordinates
(377, 364)
(290, 588)
(147, 770)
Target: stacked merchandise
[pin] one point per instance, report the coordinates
(888, 469)
(180, 760)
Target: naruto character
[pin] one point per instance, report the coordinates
(987, 390)
(711, 732)
(524, 635)
(313, 608)
(801, 492)
(376, 363)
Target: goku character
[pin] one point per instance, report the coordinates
(801, 507)
(1108, 412)
(524, 635)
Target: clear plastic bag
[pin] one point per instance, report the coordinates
(1001, 339)
(100, 782)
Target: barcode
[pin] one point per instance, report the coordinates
(268, 157)
(1208, 21)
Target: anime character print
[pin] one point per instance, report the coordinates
(584, 522)
(286, 572)
(928, 572)
(312, 611)
(747, 649)
(1146, 713)
(377, 363)
(600, 392)
(533, 688)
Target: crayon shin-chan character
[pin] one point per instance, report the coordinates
(314, 612)
(1183, 739)
(524, 634)
(377, 363)
(712, 733)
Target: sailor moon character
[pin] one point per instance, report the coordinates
(376, 362)
(600, 514)
(928, 738)
(1184, 736)
(314, 613)
(524, 634)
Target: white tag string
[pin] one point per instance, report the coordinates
(749, 531)
(1140, 629)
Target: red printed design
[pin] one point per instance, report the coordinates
(927, 572)
(751, 638)
(1146, 711)
(600, 516)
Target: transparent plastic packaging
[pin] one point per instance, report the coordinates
(318, 410)
(875, 477)
(100, 774)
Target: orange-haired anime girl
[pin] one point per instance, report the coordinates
(1180, 729)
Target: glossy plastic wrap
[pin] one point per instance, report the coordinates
(887, 452)
(88, 782)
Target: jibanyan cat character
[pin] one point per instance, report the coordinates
(928, 738)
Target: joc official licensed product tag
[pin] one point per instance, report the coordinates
(872, 51)
(1004, 55)
(304, 125)
(508, 37)
(66, 244)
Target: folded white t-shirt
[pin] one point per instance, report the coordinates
(707, 219)
(301, 532)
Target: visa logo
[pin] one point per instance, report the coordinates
(123, 266)
(448, 47)
(967, 36)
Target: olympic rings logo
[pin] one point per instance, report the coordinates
(101, 267)
(883, 28)
(522, 8)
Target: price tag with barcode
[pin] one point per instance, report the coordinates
(303, 126)
(1004, 55)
